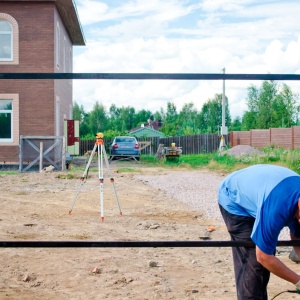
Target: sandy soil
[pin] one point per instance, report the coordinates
(35, 207)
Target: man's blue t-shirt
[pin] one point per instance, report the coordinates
(267, 193)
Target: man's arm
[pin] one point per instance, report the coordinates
(276, 266)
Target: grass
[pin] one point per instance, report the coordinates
(128, 170)
(214, 161)
(65, 176)
(9, 172)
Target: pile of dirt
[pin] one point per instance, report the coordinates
(242, 150)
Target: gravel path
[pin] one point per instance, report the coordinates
(199, 190)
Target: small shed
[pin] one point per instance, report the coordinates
(146, 132)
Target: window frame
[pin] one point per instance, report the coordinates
(11, 42)
(14, 60)
(14, 140)
(10, 111)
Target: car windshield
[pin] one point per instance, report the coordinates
(125, 140)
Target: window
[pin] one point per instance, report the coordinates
(6, 121)
(9, 40)
(6, 41)
(9, 119)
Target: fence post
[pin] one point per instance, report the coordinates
(41, 155)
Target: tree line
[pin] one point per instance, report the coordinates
(271, 105)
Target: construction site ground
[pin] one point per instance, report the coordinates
(35, 207)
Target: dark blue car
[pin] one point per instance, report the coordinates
(125, 147)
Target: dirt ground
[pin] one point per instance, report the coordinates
(34, 207)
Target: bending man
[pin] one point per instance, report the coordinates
(256, 204)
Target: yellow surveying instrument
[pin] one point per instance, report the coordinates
(102, 157)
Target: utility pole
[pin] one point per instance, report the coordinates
(224, 129)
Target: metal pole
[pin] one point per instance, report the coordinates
(135, 244)
(41, 155)
(223, 104)
(223, 127)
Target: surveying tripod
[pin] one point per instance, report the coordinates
(99, 148)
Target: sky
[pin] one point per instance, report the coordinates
(183, 36)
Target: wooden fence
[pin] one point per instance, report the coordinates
(190, 144)
(288, 138)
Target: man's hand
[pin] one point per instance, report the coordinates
(297, 286)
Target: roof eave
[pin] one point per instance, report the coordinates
(68, 12)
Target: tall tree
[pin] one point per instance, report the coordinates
(142, 117)
(187, 120)
(236, 124)
(285, 108)
(98, 119)
(271, 105)
(267, 96)
(127, 117)
(170, 126)
(211, 114)
(80, 114)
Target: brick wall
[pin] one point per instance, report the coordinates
(288, 138)
(63, 88)
(37, 98)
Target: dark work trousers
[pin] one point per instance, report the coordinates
(251, 277)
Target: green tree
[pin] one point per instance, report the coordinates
(285, 108)
(127, 118)
(236, 124)
(187, 120)
(211, 114)
(269, 106)
(114, 118)
(98, 119)
(248, 121)
(170, 126)
(80, 114)
(267, 96)
(142, 117)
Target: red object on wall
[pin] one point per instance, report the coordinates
(71, 133)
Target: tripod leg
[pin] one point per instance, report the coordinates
(83, 178)
(76, 195)
(101, 180)
(111, 179)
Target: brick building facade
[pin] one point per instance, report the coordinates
(35, 36)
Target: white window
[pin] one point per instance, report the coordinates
(6, 41)
(9, 119)
(6, 120)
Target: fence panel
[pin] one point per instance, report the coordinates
(260, 138)
(190, 144)
(282, 137)
(296, 137)
(240, 138)
(288, 138)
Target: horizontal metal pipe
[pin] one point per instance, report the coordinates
(134, 244)
(150, 76)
